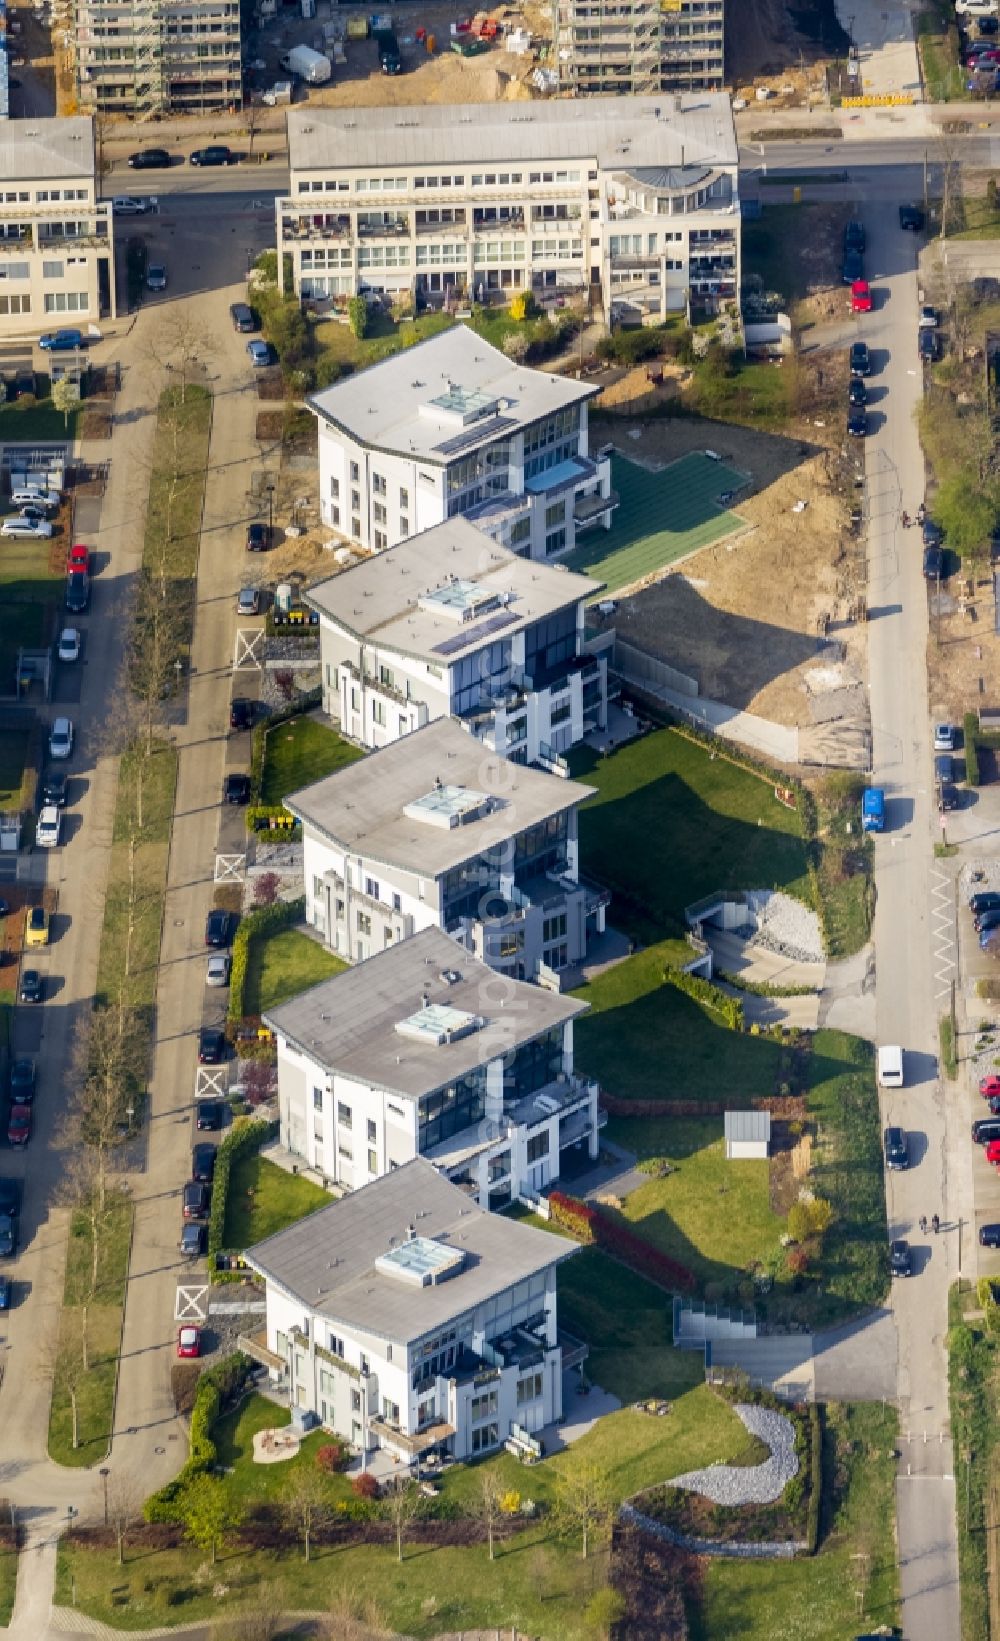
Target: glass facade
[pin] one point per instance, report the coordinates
(473, 889)
(548, 645)
(472, 678)
(476, 477)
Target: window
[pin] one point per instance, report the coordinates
(397, 904)
(378, 512)
(378, 485)
(554, 928)
(335, 488)
(364, 923)
(318, 1133)
(487, 1436)
(404, 497)
(344, 1115)
(404, 525)
(388, 1353)
(390, 1410)
(555, 542)
(372, 1132)
(355, 527)
(520, 532)
(337, 1346)
(15, 270)
(15, 304)
(529, 1389)
(345, 1150)
(555, 514)
(355, 473)
(387, 934)
(355, 1401)
(317, 1099)
(66, 301)
(356, 501)
(483, 1406)
(335, 517)
(538, 1147)
(52, 270)
(378, 715)
(365, 1367)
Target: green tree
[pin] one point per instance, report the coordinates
(584, 1505)
(65, 396)
(357, 316)
(304, 1504)
(604, 1609)
(209, 1514)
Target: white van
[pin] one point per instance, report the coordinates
(890, 1067)
(976, 8)
(32, 495)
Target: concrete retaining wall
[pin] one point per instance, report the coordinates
(635, 664)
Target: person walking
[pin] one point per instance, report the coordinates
(935, 1225)
(923, 1225)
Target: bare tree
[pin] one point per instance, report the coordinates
(403, 1504)
(154, 649)
(180, 345)
(107, 1063)
(61, 1360)
(124, 1508)
(488, 1505)
(304, 1504)
(584, 1504)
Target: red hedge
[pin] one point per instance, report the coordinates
(365, 1486)
(591, 1225)
(332, 1457)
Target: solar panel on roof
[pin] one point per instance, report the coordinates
(482, 630)
(474, 435)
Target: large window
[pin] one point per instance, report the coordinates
(548, 645)
(448, 1110)
(477, 676)
(472, 889)
(476, 477)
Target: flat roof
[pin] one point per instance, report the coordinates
(432, 589)
(363, 807)
(350, 1024)
(328, 1261)
(33, 149)
(657, 133)
(409, 403)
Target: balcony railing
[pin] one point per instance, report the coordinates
(399, 228)
(300, 228)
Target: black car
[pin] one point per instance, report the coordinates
(217, 928)
(985, 1129)
(258, 538)
(854, 267)
(215, 154)
(928, 345)
(197, 1200)
(896, 1153)
(912, 217)
(948, 796)
(192, 1240)
(54, 787)
(150, 159)
(77, 591)
(8, 1235)
(900, 1257)
(854, 236)
(240, 713)
(931, 534)
(203, 1163)
(242, 316)
(989, 1236)
(857, 424)
(857, 394)
(31, 986)
(933, 563)
(208, 1116)
(987, 900)
(211, 1046)
(6, 1293)
(988, 25)
(236, 789)
(987, 920)
(944, 766)
(22, 1079)
(861, 361)
(992, 1103)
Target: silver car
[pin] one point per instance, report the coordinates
(34, 529)
(217, 972)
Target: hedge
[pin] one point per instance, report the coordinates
(216, 1387)
(988, 1301)
(590, 1225)
(265, 920)
(246, 1134)
(816, 1466)
(970, 732)
(712, 996)
(258, 740)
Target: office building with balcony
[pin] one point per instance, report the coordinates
(435, 830)
(57, 253)
(448, 624)
(626, 48)
(153, 58)
(624, 196)
(452, 426)
(424, 1051)
(406, 1319)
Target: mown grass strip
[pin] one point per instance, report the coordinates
(93, 1307)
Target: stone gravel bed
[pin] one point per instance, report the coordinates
(749, 1484)
(787, 927)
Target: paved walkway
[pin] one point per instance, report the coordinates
(775, 741)
(852, 1363)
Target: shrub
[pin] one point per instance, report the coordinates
(970, 730)
(522, 306)
(590, 1225)
(712, 996)
(510, 1502)
(265, 920)
(332, 1457)
(631, 347)
(265, 889)
(365, 1486)
(246, 1134)
(217, 1387)
(357, 316)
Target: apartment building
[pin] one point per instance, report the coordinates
(631, 197)
(452, 426)
(424, 1051)
(57, 253)
(626, 48)
(154, 57)
(448, 624)
(436, 830)
(405, 1318)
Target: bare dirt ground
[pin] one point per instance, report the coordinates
(963, 649)
(767, 39)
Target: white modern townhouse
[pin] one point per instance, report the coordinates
(634, 200)
(57, 240)
(406, 1319)
(452, 426)
(448, 624)
(424, 1051)
(437, 830)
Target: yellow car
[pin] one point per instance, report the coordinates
(36, 928)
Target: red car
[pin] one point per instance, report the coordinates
(189, 1342)
(861, 296)
(79, 557)
(988, 1086)
(19, 1125)
(993, 1152)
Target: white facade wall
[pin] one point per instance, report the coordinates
(418, 908)
(55, 238)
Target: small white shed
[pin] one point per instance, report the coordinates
(748, 1134)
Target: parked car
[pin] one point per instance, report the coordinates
(944, 738)
(48, 827)
(989, 1085)
(188, 1341)
(79, 557)
(214, 154)
(993, 1152)
(896, 1152)
(197, 1200)
(208, 1116)
(984, 900)
(989, 1236)
(19, 1125)
(854, 236)
(149, 159)
(126, 205)
(248, 600)
(61, 341)
(22, 1079)
(258, 538)
(32, 495)
(985, 1129)
(218, 970)
(857, 393)
(259, 352)
(949, 797)
(30, 529)
(218, 927)
(211, 1046)
(860, 359)
(242, 316)
(69, 645)
(984, 922)
(900, 1257)
(203, 1163)
(857, 424)
(854, 267)
(236, 789)
(156, 277)
(911, 217)
(240, 713)
(6, 1285)
(933, 562)
(61, 738)
(928, 346)
(54, 785)
(36, 928)
(861, 296)
(8, 1234)
(31, 986)
(77, 592)
(928, 318)
(192, 1241)
(944, 769)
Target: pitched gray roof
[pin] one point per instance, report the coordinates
(327, 1261)
(347, 1023)
(747, 1125)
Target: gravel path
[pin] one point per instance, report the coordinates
(749, 1484)
(786, 926)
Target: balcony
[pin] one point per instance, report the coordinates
(255, 1346)
(311, 228)
(498, 225)
(456, 230)
(414, 1445)
(587, 509)
(394, 228)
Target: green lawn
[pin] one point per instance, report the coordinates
(979, 219)
(281, 965)
(712, 1215)
(8, 1585)
(938, 46)
(98, 1308)
(30, 420)
(14, 747)
(32, 578)
(972, 1390)
(779, 248)
(386, 336)
(815, 1598)
(628, 1324)
(673, 821)
(177, 483)
(644, 1040)
(660, 517)
(299, 752)
(844, 865)
(263, 1199)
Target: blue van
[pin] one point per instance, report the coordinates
(873, 810)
